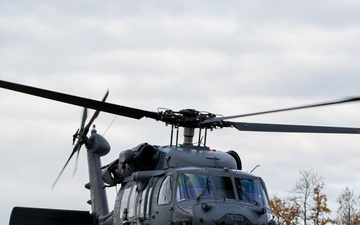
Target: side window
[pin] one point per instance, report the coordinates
(224, 187)
(142, 203)
(124, 202)
(132, 199)
(148, 201)
(145, 202)
(165, 191)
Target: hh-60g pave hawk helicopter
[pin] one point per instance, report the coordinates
(176, 184)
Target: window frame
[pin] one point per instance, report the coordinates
(178, 196)
(168, 180)
(132, 200)
(124, 201)
(217, 190)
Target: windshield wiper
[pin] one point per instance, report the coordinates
(247, 195)
(206, 188)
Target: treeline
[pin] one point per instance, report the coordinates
(307, 204)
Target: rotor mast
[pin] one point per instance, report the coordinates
(188, 135)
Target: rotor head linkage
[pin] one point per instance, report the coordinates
(189, 118)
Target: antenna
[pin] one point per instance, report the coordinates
(254, 168)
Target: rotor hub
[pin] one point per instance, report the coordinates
(190, 118)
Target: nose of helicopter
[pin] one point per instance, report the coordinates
(228, 214)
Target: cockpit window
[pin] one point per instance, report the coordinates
(196, 186)
(192, 186)
(165, 191)
(224, 187)
(252, 190)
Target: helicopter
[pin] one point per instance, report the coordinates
(177, 184)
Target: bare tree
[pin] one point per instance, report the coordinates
(348, 212)
(303, 191)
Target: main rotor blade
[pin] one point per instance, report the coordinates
(293, 128)
(79, 101)
(282, 110)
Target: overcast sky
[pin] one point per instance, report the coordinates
(225, 57)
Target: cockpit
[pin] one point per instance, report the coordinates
(242, 188)
(194, 196)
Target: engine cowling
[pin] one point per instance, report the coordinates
(142, 157)
(237, 159)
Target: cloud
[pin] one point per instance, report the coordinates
(228, 59)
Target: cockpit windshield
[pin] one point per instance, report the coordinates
(251, 190)
(196, 186)
(192, 186)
